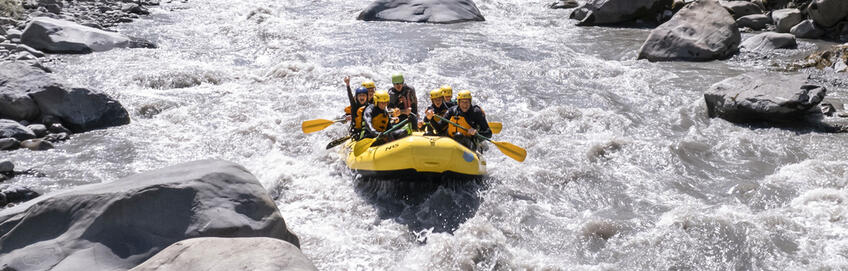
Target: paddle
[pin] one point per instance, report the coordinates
(311, 126)
(337, 142)
(363, 144)
(496, 127)
(508, 149)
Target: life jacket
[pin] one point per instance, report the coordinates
(347, 110)
(380, 122)
(462, 122)
(357, 123)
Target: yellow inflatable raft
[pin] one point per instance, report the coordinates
(416, 154)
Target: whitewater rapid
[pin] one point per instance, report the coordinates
(624, 168)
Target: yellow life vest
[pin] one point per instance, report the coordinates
(461, 121)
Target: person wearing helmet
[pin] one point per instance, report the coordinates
(470, 117)
(376, 119)
(435, 126)
(357, 106)
(403, 97)
(371, 87)
(447, 90)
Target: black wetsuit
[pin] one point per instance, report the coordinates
(434, 125)
(474, 117)
(395, 102)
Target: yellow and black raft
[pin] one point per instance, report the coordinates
(415, 154)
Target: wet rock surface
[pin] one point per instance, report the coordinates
(701, 31)
(422, 11)
(764, 96)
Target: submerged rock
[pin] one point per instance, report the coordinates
(225, 254)
(770, 41)
(422, 11)
(609, 12)
(28, 93)
(701, 31)
(118, 225)
(763, 96)
(6, 166)
(37, 144)
(16, 194)
(64, 37)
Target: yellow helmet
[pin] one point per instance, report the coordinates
(463, 94)
(447, 91)
(381, 96)
(436, 93)
(369, 84)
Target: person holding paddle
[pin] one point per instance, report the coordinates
(357, 105)
(471, 118)
(376, 120)
(403, 98)
(438, 106)
(447, 91)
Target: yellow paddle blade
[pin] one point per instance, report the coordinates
(496, 127)
(514, 152)
(362, 145)
(311, 126)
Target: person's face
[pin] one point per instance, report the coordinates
(362, 98)
(399, 86)
(437, 102)
(446, 98)
(370, 93)
(382, 105)
(464, 104)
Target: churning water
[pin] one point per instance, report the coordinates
(625, 170)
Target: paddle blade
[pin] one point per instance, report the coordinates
(496, 127)
(514, 152)
(337, 142)
(311, 126)
(362, 145)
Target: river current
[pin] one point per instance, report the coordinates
(625, 171)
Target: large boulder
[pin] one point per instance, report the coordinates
(701, 31)
(828, 12)
(225, 254)
(422, 11)
(754, 21)
(64, 37)
(807, 29)
(763, 96)
(610, 12)
(13, 129)
(785, 19)
(28, 93)
(769, 41)
(118, 225)
(741, 8)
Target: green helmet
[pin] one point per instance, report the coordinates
(397, 78)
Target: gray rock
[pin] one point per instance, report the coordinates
(30, 50)
(134, 9)
(741, 8)
(763, 96)
(564, 4)
(38, 129)
(225, 254)
(13, 34)
(422, 11)
(57, 128)
(807, 29)
(57, 137)
(828, 12)
(13, 129)
(701, 31)
(120, 224)
(610, 12)
(26, 93)
(785, 19)
(17, 194)
(37, 144)
(754, 21)
(770, 41)
(7, 144)
(6, 166)
(58, 36)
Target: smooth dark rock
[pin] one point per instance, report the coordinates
(38, 129)
(785, 19)
(13, 129)
(256, 253)
(37, 144)
(741, 8)
(422, 11)
(701, 31)
(58, 128)
(59, 137)
(134, 9)
(770, 41)
(564, 4)
(763, 96)
(7, 144)
(754, 21)
(611, 12)
(17, 194)
(828, 12)
(27, 93)
(807, 29)
(64, 37)
(120, 224)
(6, 166)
